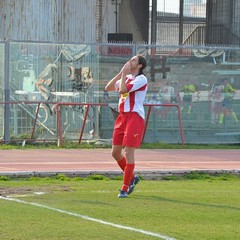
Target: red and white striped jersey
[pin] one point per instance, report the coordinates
(132, 101)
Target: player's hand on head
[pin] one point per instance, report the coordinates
(126, 68)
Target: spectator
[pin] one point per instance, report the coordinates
(188, 89)
(229, 93)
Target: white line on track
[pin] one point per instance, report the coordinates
(90, 218)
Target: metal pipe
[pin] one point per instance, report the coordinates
(154, 22)
(7, 93)
(116, 20)
(180, 40)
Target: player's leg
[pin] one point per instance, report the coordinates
(118, 156)
(130, 179)
(117, 142)
(132, 139)
(128, 175)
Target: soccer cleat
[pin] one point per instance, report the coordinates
(122, 194)
(134, 182)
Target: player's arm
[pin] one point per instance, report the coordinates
(111, 84)
(120, 76)
(122, 86)
(125, 71)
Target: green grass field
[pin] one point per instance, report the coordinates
(197, 206)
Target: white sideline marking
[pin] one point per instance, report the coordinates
(90, 218)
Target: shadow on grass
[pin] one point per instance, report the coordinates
(161, 199)
(96, 203)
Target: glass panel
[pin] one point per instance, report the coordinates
(53, 73)
(2, 77)
(205, 84)
(202, 81)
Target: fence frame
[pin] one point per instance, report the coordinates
(150, 106)
(88, 105)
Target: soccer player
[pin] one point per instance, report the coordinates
(188, 90)
(229, 93)
(131, 83)
(216, 101)
(167, 95)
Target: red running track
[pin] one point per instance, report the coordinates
(100, 160)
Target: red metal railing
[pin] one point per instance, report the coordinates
(87, 105)
(150, 106)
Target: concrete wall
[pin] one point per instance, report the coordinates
(76, 21)
(55, 20)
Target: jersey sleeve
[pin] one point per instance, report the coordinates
(140, 82)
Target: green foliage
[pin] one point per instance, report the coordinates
(227, 176)
(4, 178)
(77, 179)
(171, 177)
(34, 178)
(197, 175)
(119, 177)
(97, 177)
(62, 177)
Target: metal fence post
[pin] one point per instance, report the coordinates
(6, 94)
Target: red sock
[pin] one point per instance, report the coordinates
(122, 163)
(127, 176)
